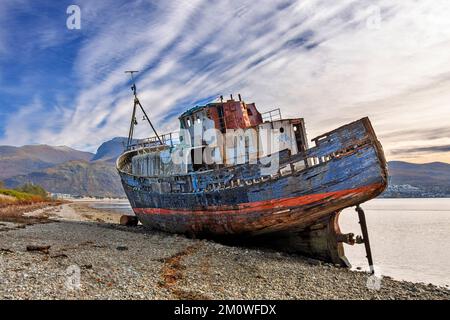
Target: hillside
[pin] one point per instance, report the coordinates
(110, 150)
(419, 180)
(65, 170)
(23, 160)
(430, 174)
(80, 178)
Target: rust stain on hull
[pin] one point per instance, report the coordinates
(254, 218)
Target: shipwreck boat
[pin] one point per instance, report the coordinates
(233, 172)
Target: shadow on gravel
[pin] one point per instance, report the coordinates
(260, 244)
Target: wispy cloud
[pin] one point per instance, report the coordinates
(422, 150)
(422, 134)
(320, 60)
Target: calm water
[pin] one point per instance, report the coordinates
(410, 238)
(119, 206)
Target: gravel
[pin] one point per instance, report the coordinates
(116, 262)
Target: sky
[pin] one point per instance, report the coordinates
(330, 62)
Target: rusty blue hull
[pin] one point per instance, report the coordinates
(346, 168)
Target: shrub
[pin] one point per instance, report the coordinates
(33, 189)
(20, 196)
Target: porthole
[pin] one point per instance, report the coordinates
(282, 130)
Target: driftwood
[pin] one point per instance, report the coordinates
(129, 221)
(42, 249)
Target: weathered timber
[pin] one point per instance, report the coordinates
(322, 240)
(297, 205)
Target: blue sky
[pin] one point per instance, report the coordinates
(330, 62)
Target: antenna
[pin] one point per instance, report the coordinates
(133, 87)
(133, 117)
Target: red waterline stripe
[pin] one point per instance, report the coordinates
(262, 205)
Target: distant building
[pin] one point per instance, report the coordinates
(61, 196)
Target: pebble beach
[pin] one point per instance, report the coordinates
(72, 251)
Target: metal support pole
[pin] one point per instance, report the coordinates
(363, 223)
(136, 103)
(131, 132)
(151, 125)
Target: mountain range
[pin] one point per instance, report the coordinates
(23, 160)
(412, 180)
(69, 171)
(64, 170)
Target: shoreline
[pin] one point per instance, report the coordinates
(117, 262)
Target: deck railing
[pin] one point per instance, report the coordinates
(169, 139)
(272, 115)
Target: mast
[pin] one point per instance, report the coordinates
(137, 103)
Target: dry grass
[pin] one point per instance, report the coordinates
(14, 205)
(4, 198)
(18, 210)
(10, 198)
(16, 214)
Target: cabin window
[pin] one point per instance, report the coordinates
(302, 144)
(199, 120)
(250, 113)
(188, 122)
(282, 130)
